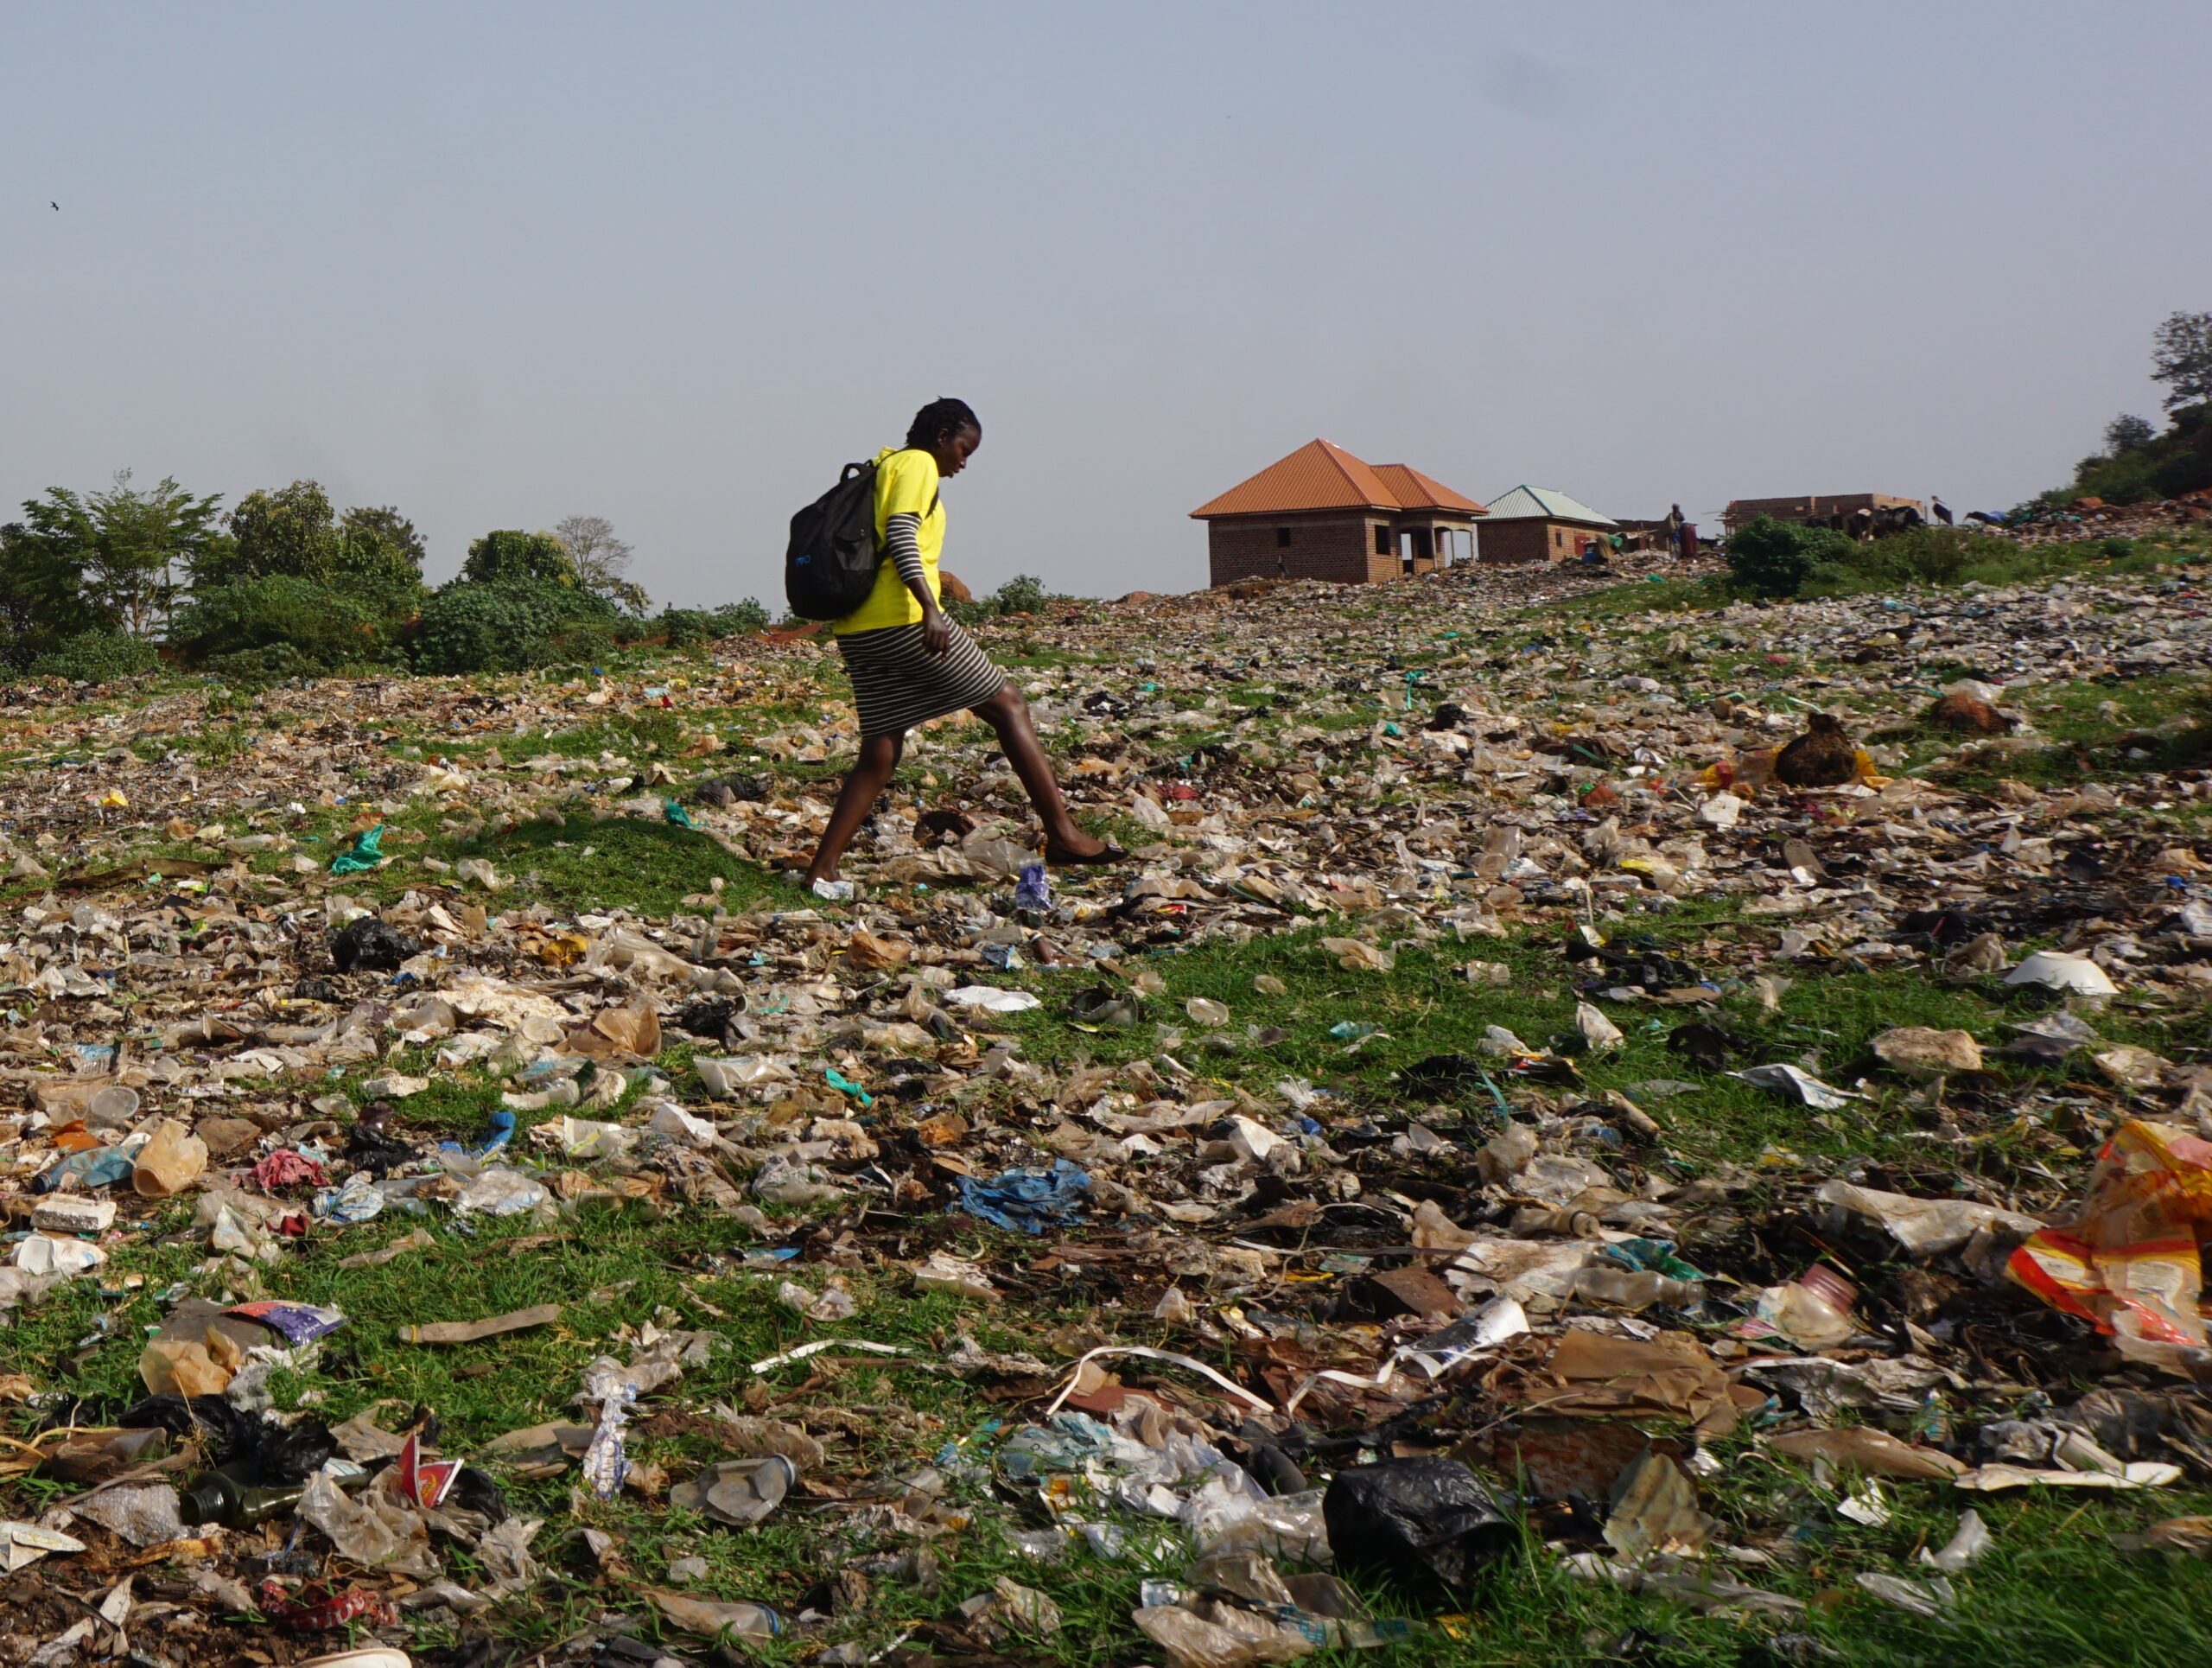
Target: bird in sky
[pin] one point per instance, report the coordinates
(55, 207)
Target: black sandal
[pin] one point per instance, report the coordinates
(1060, 857)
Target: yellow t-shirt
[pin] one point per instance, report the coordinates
(906, 484)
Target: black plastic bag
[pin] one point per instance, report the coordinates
(365, 944)
(1423, 1523)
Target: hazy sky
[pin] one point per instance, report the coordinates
(673, 264)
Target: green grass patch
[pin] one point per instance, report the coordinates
(648, 867)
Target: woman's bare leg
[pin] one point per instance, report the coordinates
(1008, 714)
(864, 785)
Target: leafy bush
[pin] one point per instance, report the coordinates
(1776, 558)
(316, 628)
(1023, 594)
(689, 627)
(509, 556)
(510, 627)
(739, 619)
(97, 657)
(257, 668)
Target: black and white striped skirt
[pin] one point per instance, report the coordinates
(897, 683)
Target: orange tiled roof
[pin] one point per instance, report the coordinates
(1323, 476)
(1416, 491)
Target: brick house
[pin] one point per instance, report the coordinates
(1322, 513)
(1535, 523)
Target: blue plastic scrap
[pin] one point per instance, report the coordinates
(501, 1132)
(1028, 1202)
(1034, 890)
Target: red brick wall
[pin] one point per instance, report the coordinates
(1339, 548)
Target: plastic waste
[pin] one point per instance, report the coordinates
(1033, 891)
(991, 999)
(2056, 970)
(1422, 1522)
(171, 1160)
(1635, 1291)
(1028, 1202)
(144, 1513)
(2130, 1261)
(740, 1492)
(1970, 1542)
(365, 852)
(712, 1618)
(1926, 1227)
(367, 945)
(24, 1543)
(501, 1192)
(1654, 1510)
(177, 1367)
(723, 1078)
(374, 1528)
(1806, 1316)
(1798, 1084)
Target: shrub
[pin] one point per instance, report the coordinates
(1776, 558)
(509, 556)
(316, 628)
(689, 627)
(739, 619)
(1023, 594)
(257, 668)
(510, 627)
(97, 657)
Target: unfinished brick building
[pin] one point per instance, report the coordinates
(1322, 513)
(1826, 509)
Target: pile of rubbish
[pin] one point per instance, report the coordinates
(1304, 1357)
(2092, 517)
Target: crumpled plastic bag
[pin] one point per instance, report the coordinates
(2131, 1262)
(1423, 1521)
(378, 1529)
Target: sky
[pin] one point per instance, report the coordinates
(674, 264)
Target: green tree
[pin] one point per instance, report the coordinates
(291, 532)
(380, 557)
(2127, 433)
(42, 599)
(510, 557)
(2181, 357)
(113, 553)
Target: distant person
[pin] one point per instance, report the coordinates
(1940, 509)
(910, 662)
(1674, 530)
(1689, 541)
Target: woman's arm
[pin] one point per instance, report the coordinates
(901, 543)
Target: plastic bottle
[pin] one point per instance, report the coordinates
(1636, 1291)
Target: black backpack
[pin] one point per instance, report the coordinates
(829, 566)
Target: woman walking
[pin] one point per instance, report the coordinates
(910, 661)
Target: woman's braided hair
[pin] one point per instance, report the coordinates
(940, 416)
